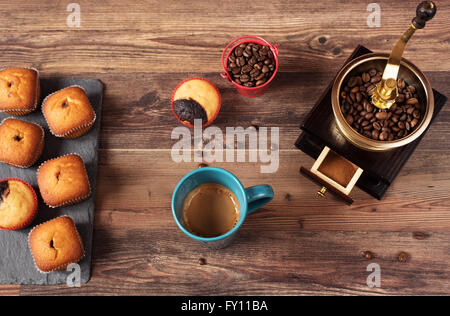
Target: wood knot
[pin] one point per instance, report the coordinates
(336, 51)
(202, 261)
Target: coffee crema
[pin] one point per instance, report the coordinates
(210, 210)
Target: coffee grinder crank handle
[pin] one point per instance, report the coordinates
(386, 91)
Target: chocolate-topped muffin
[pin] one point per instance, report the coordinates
(196, 98)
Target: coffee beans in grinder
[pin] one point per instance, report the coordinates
(385, 125)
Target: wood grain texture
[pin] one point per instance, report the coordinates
(9, 290)
(297, 244)
(155, 36)
(163, 262)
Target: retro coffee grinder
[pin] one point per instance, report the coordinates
(346, 158)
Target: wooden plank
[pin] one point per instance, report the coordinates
(417, 201)
(9, 290)
(155, 36)
(278, 262)
(138, 114)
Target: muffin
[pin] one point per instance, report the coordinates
(21, 143)
(68, 112)
(19, 90)
(18, 204)
(196, 98)
(63, 181)
(55, 244)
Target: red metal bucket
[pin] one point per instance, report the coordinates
(248, 91)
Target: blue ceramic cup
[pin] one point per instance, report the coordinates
(249, 199)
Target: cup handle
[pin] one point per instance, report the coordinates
(258, 196)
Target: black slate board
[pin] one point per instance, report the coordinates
(380, 168)
(16, 263)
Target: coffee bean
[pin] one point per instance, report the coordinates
(260, 82)
(254, 72)
(352, 82)
(381, 115)
(245, 78)
(412, 101)
(246, 69)
(375, 134)
(358, 97)
(365, 77)
(400, 98)
(349, 119)
(376, 126)
(407, 126)
(383, 136)
(260, 76)
(372, 72)
(236, 70)
(371, 89)
(375, 79)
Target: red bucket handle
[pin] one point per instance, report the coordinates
(224, 64)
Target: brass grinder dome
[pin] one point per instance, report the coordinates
(408, 72)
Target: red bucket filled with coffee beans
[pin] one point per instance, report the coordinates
(250, 64)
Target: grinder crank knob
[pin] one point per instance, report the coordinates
(425, 11)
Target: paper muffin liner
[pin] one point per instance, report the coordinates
(72, 201)
(22, 112)
(62, 266)
(74, 132)
(33, 214)
(38, 153)
(212, 119)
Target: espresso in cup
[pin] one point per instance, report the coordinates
(210, 210)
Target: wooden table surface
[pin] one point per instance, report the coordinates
(297, 244)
